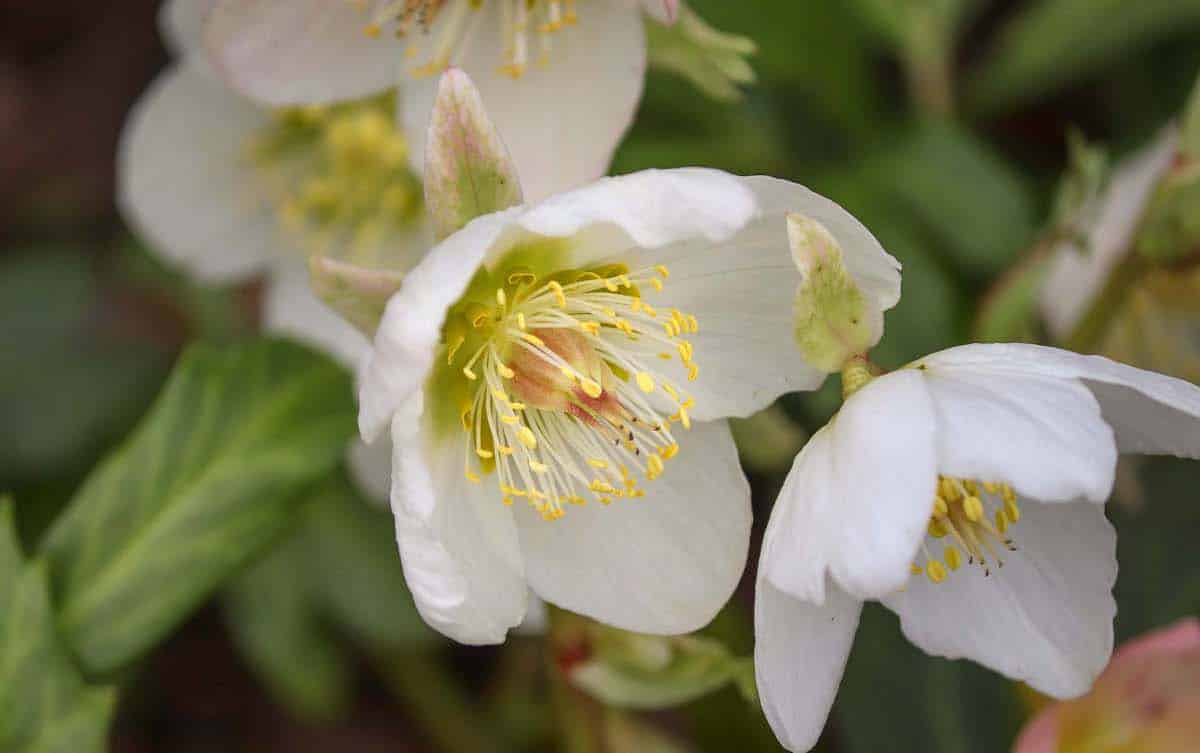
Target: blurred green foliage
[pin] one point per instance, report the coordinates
(960, 191)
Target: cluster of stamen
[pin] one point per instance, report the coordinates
(974, 518)
(339, 177)
(523, 21)
(569, 398)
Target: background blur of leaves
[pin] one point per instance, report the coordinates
(295, 656)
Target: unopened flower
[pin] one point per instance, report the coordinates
(965, 492)
(559, 77)
(1146, 701)
(553, 378)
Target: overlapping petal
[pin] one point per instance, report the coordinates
(1045, 617)
(1150, 413)
(858, 498)
(289, 307)
(457, 543)
(562, 120)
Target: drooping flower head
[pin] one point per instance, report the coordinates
(553, 375)
(965, 492)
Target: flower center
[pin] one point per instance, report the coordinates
(523, 22)
(565, 396)
(974, 517)
(339, 177)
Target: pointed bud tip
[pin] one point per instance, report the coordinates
(468, 170)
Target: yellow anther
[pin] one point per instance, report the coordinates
(527, 438)
(684, 418)
(500, 395)
(971, 487)
(592, 328)
(650, 311)
(501, 298)
(669, 328)
(591, 388)
(686, 351)
(520, 320)
(635, 305)
(915, 570)
(1011, 510)
(669, 451)
(506, 372)
(656, 284)
(507, 500)
(645, 382)
(693, 323)
(597, 463)
(991, 487)
(510, 420)
(517, 406)
(662, 270)
(606, 501)
(940, 508)
(559, 296)
(469, 374)
(1001, 521)
(485, 454)
(973, 509)
(612, 286)
(671, 391)
(654, 465)
(471, 475)
(936, 571)
(937, 529)
(603, 487)
(537, 467)
(693, 372)
(504, 450)
(533, 339)
(666, 356)
(953, 558)
(372, 30)
(568, 372)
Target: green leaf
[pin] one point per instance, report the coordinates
(916, 702)
(1056, 42)
(45, 705)
(652, 672)
(214, 473)
(278, 627)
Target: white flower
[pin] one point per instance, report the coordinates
(1077, 275)
(556, 78)
(965, 492)
(553, 376)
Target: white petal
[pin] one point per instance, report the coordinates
(457, 541)
(662, 564)
(800, 652)
(875, 270)
(561, 121)
(1044, 618)
(184, 182)
(1077, 274)
(1041, 434)
(1150, 413)
(857, 500)
(181, 23)
(291, 308)
(370, 467)
(411, 326)
(287, 52)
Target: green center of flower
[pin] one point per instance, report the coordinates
(339, 178)
(558, 380)
(524, 23)
(975, 518)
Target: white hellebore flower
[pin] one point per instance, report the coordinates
(965, 492)
(558, 77)
(553, 378)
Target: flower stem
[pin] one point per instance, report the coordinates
(581, 718)
(856, 373)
